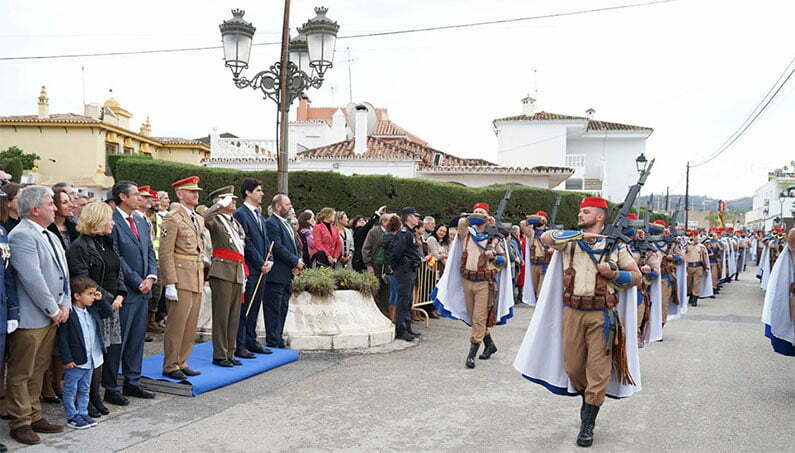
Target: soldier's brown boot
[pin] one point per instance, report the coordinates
(25, 435)
(43, 426)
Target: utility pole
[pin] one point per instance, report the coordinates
(687, 193)
(350, 79)
(284, 106)
(666, 199)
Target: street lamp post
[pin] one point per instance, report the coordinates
(303, 64)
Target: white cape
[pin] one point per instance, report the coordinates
(529, 291)
(448, 296)
(776, 315)
(763, 274)
(752, 250)
(706, 284)
(676, 311)
(654, 329)
(540, 357)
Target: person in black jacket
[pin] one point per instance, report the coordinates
(81, 347)
(360, 230)
(405, 261)
(94, 255)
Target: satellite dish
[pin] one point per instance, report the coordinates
(351, 109)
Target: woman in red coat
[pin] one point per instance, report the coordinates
(327, 238)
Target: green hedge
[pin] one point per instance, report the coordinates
(13, 166)
(361, 194)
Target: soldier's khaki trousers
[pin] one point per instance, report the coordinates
(477, 299)
(226, 316)
(667, 290)
(585, 354)
(694, 275)
(180, 335)
(538, 277)
(713, 267)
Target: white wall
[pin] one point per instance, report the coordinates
(526, 144)
(483, 180)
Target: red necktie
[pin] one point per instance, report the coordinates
(133, 228)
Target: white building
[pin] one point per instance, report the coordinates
(361, 140)
(768, 204)
(601, 153)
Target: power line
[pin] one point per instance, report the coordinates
(356, 36)
(755, 113)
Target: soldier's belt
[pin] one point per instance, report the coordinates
(607, 302)
(689, 265)
(478, 275)
(181, 256)
(539, 260)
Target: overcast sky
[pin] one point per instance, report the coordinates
(690, 69)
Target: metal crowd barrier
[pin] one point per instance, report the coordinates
(426, 282)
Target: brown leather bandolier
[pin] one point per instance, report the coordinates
(601, 300)
(539, 259)
(482, 274)
(643, 289)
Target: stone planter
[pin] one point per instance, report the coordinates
(345, 320)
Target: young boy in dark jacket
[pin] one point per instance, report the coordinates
(81, 347)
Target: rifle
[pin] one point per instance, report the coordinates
(493, 231)
(554, 215)
(615, 231)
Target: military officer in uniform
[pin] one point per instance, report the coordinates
(540, 254)
(181, 248)
(697, 262)
(227, 273)
(672, 256)
(590, 299)
(405, 261)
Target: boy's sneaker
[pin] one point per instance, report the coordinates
(91, 422)
(77, 423)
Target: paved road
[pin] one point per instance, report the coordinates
(714, 385)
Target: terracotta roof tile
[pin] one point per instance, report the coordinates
(593, 125)
(178, 141)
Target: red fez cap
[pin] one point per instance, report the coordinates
(190, 183)
(594, 202)
(630, 216)
(483, 206)
(542, 213)
(660, 222)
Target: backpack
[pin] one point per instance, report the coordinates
(383, 255)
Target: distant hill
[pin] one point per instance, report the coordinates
(697, 203)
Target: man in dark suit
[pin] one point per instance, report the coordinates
(255, 251)
(287, 262)
(133, 240)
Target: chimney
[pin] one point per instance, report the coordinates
(92, 110)
(302, 113)
(360, 136)
(44, 104)
(146, 128)
(590, 113)
(528, 106)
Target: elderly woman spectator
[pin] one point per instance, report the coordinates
(327, 239)
(9, 216)
(94, 255)
(346, 237)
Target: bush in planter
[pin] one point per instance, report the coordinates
(323, 281)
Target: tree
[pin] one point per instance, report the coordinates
(28, 159)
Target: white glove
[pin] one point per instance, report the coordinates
(171, 292)
(12, 325)
(226, 201)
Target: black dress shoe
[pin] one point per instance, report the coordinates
(405, 336)
(411, 332)
(149, 339)
(190, 371)
(116, 398)
(260, 350)
(93, 412)
(3, 448)
(138, 392)
(245, 354)
(51, 399)
(222, 362)
(235, 362)
(176, 374)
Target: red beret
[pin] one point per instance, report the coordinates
(542, 214)
(660, 222)
(593, 202)
(630, 216)
(483, 206)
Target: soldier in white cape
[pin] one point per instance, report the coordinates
(778, 313)
(584, 340)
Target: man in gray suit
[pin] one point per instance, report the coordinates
(44, 302)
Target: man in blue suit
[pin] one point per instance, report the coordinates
(132, 238)
(256, 247)
(286, 263)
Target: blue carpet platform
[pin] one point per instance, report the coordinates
(212, 376)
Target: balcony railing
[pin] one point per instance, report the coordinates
(575, 160)
(244, 148)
